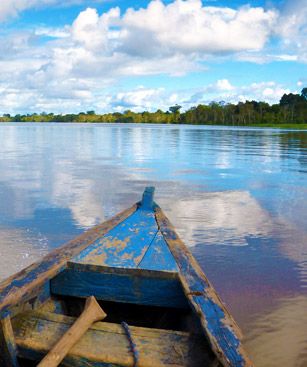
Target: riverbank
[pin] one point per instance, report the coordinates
(281, 126)
(288, 126)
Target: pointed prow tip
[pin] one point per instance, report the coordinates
(147, 202)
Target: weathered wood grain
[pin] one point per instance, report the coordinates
(143, 287)
(8, 349)
(106, 344)
(24, 285)
(55, 305)
(34, 299)
(223, 333)
(92, 313)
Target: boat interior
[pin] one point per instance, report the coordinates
(164, 335)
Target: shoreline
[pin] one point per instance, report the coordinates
(286, 126)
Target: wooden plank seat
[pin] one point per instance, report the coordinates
(106, 344)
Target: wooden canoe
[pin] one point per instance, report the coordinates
(144, 277)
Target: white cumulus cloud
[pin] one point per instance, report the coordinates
(223, 90)
(188, 26)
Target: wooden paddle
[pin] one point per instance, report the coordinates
(92, 312)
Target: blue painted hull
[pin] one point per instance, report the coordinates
(136, 259)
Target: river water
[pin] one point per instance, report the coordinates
(237, 197)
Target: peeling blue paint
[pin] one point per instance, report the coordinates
(125, 245)
(227, 340)
(158, 256)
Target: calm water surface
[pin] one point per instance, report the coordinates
(237, 196)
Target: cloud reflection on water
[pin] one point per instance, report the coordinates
(224, 218)
(79, 195)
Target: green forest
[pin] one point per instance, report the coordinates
(291, 110)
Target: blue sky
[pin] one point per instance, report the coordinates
(113, 55)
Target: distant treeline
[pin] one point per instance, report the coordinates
(292, 109)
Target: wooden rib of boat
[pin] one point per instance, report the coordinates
(161, 309)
